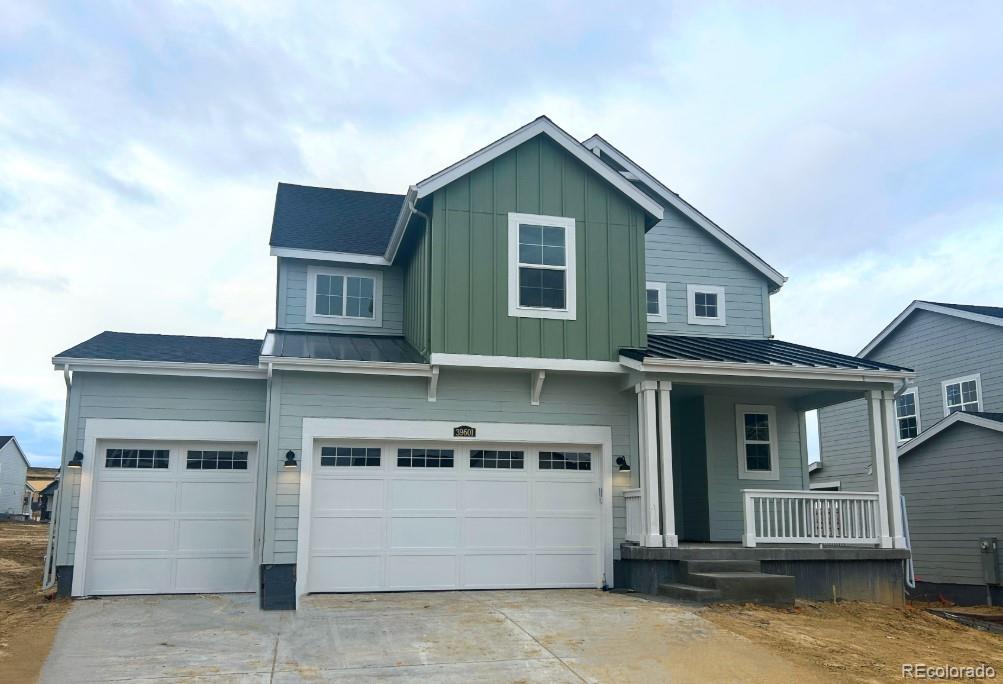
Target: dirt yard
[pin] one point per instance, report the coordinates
(863, 642)
(28, 618)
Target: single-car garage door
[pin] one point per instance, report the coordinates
(400, 516)
(172, 518)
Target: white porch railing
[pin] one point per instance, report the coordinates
(798, 517)
(632, 497)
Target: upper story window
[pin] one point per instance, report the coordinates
(655, 302)
(907, 414)
(344, 296)
(705, 305)
(758, 457)
(962, 394)
(541, 267)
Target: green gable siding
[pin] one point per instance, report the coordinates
(416, 283)
(469, 274)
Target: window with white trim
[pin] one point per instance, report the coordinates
(141, 459)
(962, 394)
(542, 267)
(705, 305)
(342, 457)
(655, 302)
(756, 428)
(344, 296)
(907, 414)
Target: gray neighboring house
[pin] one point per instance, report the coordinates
(13, 478)
(954, 469)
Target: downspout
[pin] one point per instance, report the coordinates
(49, 567)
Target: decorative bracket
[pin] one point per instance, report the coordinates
(433, 383)
(536, 386)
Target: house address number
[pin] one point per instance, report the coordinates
(464, 431)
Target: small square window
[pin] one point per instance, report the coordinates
(706, 305)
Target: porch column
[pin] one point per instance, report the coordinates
(648, 443)
(669, 537)
(892, 470)
(878, 447)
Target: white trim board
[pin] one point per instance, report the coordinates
(762, 370)
(525, 363)
(926, 306)
(166, 430)
(208, 370)
(318, 255)
(597, 144)
(943, 424)
(442, 431)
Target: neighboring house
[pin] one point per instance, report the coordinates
(46, 501)
(37, 480)
(957, 353)
(536, 363)
(13, 469)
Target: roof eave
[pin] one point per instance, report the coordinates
(734, 368)
(943, 424)
(925, 306)
(61, 363)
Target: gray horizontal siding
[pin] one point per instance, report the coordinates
(953, 486)
(12, 479)
(724, 489)
(463, 396)
(678, 253)
(148, 397)
(291, 300)
(845, 447)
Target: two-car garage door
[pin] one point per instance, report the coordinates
(405, 516)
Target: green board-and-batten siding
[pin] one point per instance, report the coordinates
(469, 260)
(416, 286)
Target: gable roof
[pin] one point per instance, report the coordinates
(350, 222)
(539, 126)
(4, 439)
(992, 315)
(990, 421)
(598, 143)
(119, 346)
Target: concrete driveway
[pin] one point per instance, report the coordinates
(524, 636)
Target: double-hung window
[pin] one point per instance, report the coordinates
(542, 269)
(705, 304)
(655, 302)
(962, 394)
(756, 428)
(907, 414)
(344, 296)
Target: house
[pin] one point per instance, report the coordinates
(538, 367)
(955, 350)
(46, 501)
(37, 480)
(13, 469)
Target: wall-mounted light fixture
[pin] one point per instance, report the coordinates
(622, 464)
(77, 461)
(290, 459)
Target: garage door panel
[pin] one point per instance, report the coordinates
(124, 536)
(150, 498)
(424, 533)
(495, 495)
(484, 571)
(346, 573)
(422, 572)
(554, 495)
(565, 532)
(215, 497)
(213, 535)
(350, 494)
(209, 574)
(505, 533)
(129, 575)
(328, 534)
(418, 495)
(565, 569)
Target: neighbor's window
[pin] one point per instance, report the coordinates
(542, 276)
(907, 414)
(343, 296)
(757, 442)
(137, 458)
(706, 304)
(962, 394)
(655, 302)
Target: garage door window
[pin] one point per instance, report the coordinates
(217, 460)
(565, 460)
(424, 458)
(512, 460)
(338, 456)
(137, 458)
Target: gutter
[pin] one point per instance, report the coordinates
(764, 370)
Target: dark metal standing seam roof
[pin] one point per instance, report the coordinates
(752, 351)
(118, 346)
(340, 347)
(994, 311)
(331, 220)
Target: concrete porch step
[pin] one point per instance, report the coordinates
(688, 592)
(689, 566)
(747, 587)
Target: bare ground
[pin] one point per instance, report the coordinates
(862, 642)
(28, 617)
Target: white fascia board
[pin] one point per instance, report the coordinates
(401, 225)
(596, 142)
(521, 135)
(832, 484)
(755, 370)
(207, 370)
(926, 306)
(356, 367)
(958, 417)
(525, 363)
(318, 255)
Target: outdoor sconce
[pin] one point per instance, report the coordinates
(622, 464)
(77, 461)
(290, 459)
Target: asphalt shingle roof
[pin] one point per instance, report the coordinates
(998, 417)
(994, 311)
(120, 346)
(4, 439)
(331, 220)
(758, 351)
(340, 347)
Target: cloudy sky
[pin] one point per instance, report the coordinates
(858, 147)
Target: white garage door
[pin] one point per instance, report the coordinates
(395, 517)
(172, 518)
